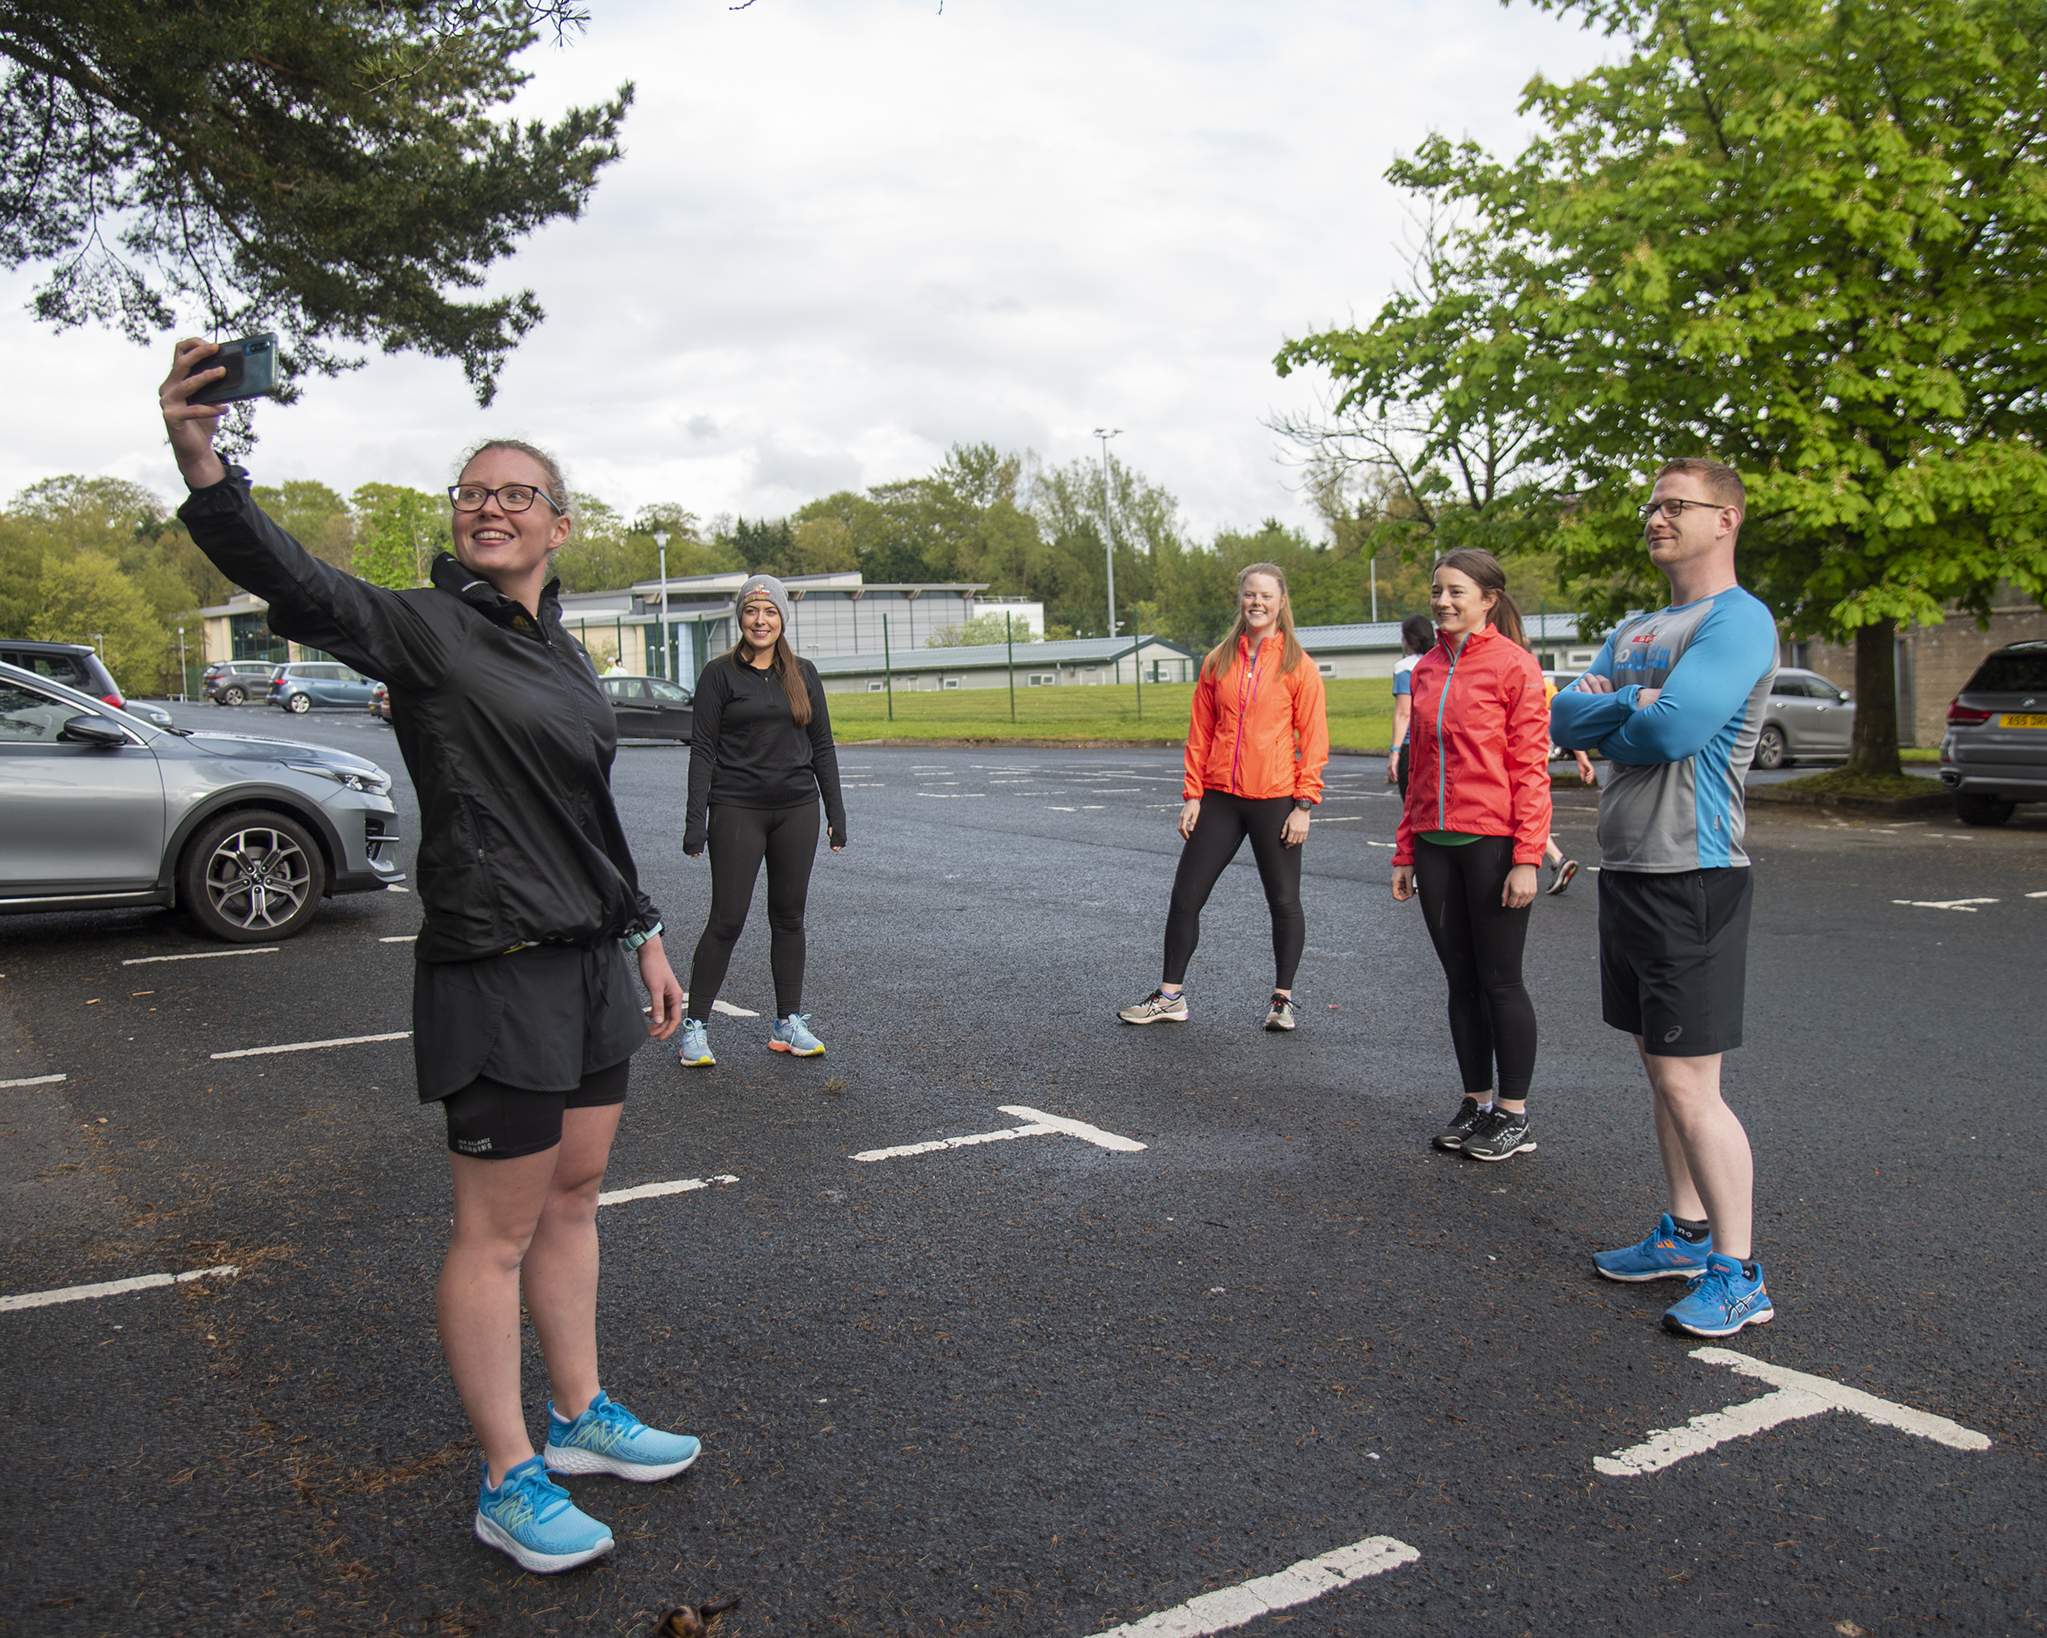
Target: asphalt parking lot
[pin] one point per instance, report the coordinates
(1044, 1384)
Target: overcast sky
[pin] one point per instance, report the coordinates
(848, 233)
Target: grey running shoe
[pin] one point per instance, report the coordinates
(1452, 1136)
(1566, 873)
(1157, 1008)
(1281, 1015)
(1500, 1136)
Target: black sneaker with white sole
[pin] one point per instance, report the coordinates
(1500, 1136)
(1452, 1136)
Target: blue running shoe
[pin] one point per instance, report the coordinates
(608, 1438)
(1721, 1301)
(531, 1520)
(792, 1034)
(1664, 1255)
(696, 1045)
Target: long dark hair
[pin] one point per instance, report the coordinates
(1417, 634)
(786, 668)
(1224, 653)
(1486, 573)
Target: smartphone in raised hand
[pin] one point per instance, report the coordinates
(251, 365)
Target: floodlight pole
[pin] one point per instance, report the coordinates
(184, 677)
(1108, 522)
(661, 546)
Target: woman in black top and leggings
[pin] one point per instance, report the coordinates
(761, 757)
(525, 1013)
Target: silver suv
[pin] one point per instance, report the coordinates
(99, 810)
(1995, 753)
(1808, 719)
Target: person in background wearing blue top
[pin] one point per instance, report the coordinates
(1675, 702)
(1417, 637)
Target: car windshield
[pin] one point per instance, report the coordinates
(2022, 673)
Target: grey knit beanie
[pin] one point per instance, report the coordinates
(776, 593)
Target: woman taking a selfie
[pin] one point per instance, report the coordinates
(761, 758)
(1472, 832)
(525, 1014)
(1255, 755)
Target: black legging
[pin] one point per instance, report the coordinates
(738, 839)
(1479, 941)
(1225, 822)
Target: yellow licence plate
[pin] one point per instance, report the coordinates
(2019, 719)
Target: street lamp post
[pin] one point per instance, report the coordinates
(1108, 523)
(661, 546)
(183, 674)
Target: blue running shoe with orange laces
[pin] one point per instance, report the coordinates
(1664, 1255)
(1721, 1301)
(531, 1520)
(608, 1438)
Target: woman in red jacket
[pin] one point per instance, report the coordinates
(1255, 756)
(1471, 834)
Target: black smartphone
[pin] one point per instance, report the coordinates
(251, 365)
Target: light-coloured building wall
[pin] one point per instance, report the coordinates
(1934, 663)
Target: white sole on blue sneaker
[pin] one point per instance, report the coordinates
(784, 1046)
(1659, 1274)
(559, 1460)
(493, 1535)
(1680, 1328)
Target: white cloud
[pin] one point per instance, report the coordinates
(847, 233)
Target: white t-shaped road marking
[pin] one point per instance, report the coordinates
(1041, 1125)
(1797, 1395)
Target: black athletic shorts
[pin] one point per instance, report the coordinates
(492, 1121)
(1673, 957)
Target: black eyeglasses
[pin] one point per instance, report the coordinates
(512, 497)
(1675, 509)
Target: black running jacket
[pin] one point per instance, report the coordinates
(500, 719)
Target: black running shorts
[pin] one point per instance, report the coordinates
(492, 1121)
(1673, 957)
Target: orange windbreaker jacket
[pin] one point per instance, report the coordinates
(1480, 757)
(1257, 731)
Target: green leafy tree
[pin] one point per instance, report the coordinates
(63, 516)
(1806, 238)
(981, 630)
(313, 515)
(398, 533)
(329, 170)
(83, 597)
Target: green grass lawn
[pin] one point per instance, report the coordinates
(1360, 713)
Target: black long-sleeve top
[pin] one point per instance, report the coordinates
(748, 751)
(500, 719)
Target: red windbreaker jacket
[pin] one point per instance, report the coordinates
(1258, 731)
(1480, 757)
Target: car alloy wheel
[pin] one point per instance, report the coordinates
(252, 876)
(1770, 747)
(232, 696)
(299, 704)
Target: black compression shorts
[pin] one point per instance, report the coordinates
(1673, 957)
(491, 1121)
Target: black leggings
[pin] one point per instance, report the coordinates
(1479, 941)
(1225, 822)
(738, 840)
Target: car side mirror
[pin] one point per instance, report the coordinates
(1844, 697)
(84, 730)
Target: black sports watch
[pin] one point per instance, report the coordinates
(1303, 803)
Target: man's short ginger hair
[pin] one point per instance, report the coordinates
(1721, 482)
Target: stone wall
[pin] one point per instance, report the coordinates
(1933, 663)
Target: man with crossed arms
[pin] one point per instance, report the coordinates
(1675, 702)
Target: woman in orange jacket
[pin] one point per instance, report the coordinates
(1472, 832)
(1255, 756)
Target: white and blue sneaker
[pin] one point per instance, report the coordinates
(1721, 1301)
(608, 1438)
(1664, 1254)
(531, 1520)
(696, 1045)
(792, 1034)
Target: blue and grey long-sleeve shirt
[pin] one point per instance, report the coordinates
(1674, 801)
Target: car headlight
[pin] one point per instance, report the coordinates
(374, 782)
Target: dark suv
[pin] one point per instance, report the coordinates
(1995, 753)
(73, 664)
(232, 682)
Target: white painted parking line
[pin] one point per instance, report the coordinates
(1968, 906)
(312, 1046)
(1041, 1125)
(726, 1007)
(202, 955)
(1248, 1600)
(2040, 895)
(1798, 1395)
(652, 1191)
(402, 938)
(1062, 810)
(952, 796)
(114, 1288)
(35, 1080)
